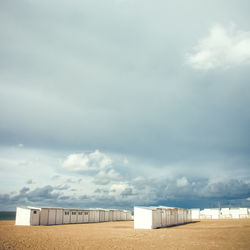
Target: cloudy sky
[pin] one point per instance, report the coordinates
(119, 103)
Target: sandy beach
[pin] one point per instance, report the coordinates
(213, 234)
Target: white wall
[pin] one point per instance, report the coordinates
(142, 218)
(195, 213)
(22, 216)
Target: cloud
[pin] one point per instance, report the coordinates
(136, 192)
(182, 182)
(30, 181)
(104, 177)
(87, 161)
(224, 47)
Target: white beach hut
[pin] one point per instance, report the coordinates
(73, 216)
(110, 215)
(156, 217)
(85, 216)
(44, 216)
(106, 215)
(118, 218)
(102, 215)
(66, 216)
(123, 215)
(59, 216)
(128, 215)
(243, 213)
(80, 215)
(27, 216)
(195, 213)
(52, 216)
(225, 213)
(143, 217)
(91, 216)
(97, 215)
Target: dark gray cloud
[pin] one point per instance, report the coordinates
(187, 193)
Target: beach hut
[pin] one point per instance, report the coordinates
(110, 215)
(59, 216)
(85, 216)
(66, 216)
(225, 213)
(235, 213)
(118, 215)
(73, 216)
(113, 214)
(143, 217)
(80, 216)
(97, 215)
(128, 215)
(27, 216)
(164, 217)
(243, 213)
(106, 215)
(156, 217)
(44, 216)
(102, 215)
(189, 215)
(168, 217)
(123, 215)
(52, 216)
(195, 213)
(91, 216)
(210, 213)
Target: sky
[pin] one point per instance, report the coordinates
(120, 103)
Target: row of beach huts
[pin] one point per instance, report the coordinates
(221, 213)
(157, 217)
(144, 217)
(34, 216)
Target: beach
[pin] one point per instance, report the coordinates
(209, 234)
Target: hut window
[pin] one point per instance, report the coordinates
(73, 213)
(66, 213)
(80, 213)
(86, 213)
(34, 212)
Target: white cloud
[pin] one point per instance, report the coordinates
(222, 48)
(87, 161)
(182, 182)
(105, 177)
(118, 188)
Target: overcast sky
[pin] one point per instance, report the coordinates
(119, 103)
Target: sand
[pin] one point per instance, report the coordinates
(213, 234)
